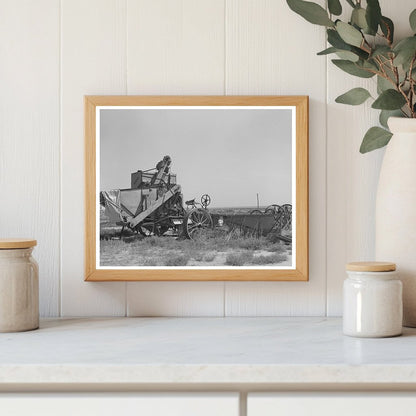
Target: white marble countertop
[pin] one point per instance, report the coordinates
(203, 351)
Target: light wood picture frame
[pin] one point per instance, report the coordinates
(262, 140)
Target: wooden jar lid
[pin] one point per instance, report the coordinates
(11, 243)
(371, 266)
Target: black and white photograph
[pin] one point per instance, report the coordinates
(196, 187)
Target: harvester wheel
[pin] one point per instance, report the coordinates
(275, 210)
(205, 200)
(196, 221)
(256, 212)
(287, 210)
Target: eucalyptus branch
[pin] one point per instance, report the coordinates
(386, 37)
(365, 43)
(406, 97)
(395, 71)
(412, 85)
(385, 75)
(372, 71)
(413, 89)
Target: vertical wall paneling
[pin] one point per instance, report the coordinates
(93, 61)
(352, 177)
(54, 52)
(29, 135)
(272, 51)
(177, 48)
(175, 299)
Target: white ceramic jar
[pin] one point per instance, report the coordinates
(19, 286)
(372, 300)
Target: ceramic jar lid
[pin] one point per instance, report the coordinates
(12, 243)
(371, 266)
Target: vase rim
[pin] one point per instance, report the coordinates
(402, 125)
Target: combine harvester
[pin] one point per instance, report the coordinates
(154, 206)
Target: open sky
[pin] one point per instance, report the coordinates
(230, 154)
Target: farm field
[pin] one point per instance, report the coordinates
(209, 251)
(218, 247)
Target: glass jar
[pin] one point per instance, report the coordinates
(372, 300)
(19, 286)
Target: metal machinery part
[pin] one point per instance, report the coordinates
(197, 221)
(205, 200)
(154, 206)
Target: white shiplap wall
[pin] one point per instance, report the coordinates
(260, 59)
(175, 47)
(29, 134)
(54, 52)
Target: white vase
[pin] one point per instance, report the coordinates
(396, 210)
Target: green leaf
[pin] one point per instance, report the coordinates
(412, 20)
(386, 114)
(347, 55)
(373, 15)
(405, 50)
(350, 56)
(336, 41)
(387, 27)
(327, 51)
(311, 12)
(375, 138)
(349, 34)
(334, 7)
(356, 96)
(389, 100)
(383, 84)
(370, 65)
(381, 50)
(358, 18)
(352, 68)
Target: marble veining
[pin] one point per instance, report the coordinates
(203, 350)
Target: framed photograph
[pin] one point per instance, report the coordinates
(196, 188)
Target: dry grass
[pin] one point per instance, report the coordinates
(270, 259)
(238, 259)
(178, 260)
(249, 259)
(214, 248)
(219, 247)
(208, 257)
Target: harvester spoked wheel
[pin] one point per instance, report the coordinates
(196, 222)
(274, 210)
(287, 210)
(205, 200)
(256, 212)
